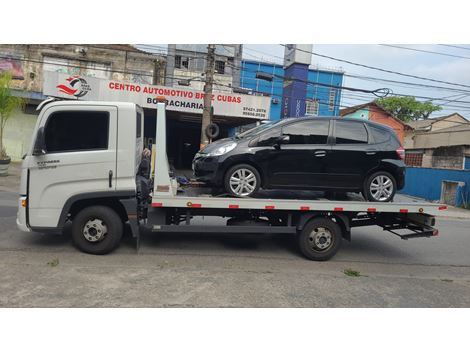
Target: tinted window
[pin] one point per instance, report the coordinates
(77, 130)
(350, 132)
(307, 132)
(380, 135)
(139, 125)
(269, 137)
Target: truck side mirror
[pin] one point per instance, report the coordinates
(40, 143)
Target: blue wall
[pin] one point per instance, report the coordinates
(275, 88)
(426, 183)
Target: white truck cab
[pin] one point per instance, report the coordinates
(83, 152)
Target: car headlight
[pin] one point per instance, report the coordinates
(224, 149)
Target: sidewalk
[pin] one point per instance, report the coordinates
(11, 182)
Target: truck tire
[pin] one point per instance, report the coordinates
(320, 239)
(97, 230)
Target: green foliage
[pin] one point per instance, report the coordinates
(8, 104)
(352, 273)
(407, 108)
(53, 263)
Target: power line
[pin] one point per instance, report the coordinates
(425, 51)
(454, 46)
(381, 69)
(370, 78)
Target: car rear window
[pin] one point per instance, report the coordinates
(348, 132)
(380, 135)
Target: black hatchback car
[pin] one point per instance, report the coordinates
(321, 153)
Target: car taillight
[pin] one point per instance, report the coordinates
(401, 153)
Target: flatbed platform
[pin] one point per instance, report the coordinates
(200, 197)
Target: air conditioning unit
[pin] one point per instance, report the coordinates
(275, 101)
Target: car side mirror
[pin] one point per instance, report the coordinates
(40, 143)
(282, 139)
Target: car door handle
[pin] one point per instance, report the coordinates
(371, 153)
(110, 178)
(320, 153)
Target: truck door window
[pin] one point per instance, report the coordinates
(68, 131)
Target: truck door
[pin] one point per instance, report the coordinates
(79, 157)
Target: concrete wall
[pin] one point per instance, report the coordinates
(438, 138)
(362, 114)
(427, 183)
(450, 121)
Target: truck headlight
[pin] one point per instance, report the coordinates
(223, 149)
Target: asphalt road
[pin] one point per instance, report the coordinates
(38, 270)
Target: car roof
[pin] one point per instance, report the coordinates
(353, 120)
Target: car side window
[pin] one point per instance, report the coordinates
(347, 132)
(269, 137)
(68, 131)
(307, 132)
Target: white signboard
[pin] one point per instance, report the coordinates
(62, 85)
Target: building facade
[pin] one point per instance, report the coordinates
(124, 73)
(317, 100)
(30, 64)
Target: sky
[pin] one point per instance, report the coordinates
(437, 65)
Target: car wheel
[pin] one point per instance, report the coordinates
(242, 180)
(380, 187)
(97, 230)
(320, 239)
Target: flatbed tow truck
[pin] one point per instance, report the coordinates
(98, 215)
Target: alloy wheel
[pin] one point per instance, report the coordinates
(381, 188)
(243, 182)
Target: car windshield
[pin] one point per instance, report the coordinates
(258, 129)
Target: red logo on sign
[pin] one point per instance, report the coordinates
(76, 86)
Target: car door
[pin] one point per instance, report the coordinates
(79, 157)
(351, 155)
(299, 161)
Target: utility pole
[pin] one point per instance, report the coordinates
(206, 112)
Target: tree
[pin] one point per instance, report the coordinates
(8, 104)
(407, 108)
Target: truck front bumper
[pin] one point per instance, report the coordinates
(21, 214)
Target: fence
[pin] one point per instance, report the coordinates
(430, 184)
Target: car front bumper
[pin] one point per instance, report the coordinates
(207, 169)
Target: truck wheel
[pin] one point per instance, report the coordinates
(380, 187)
(320, 239)
(97, 230)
